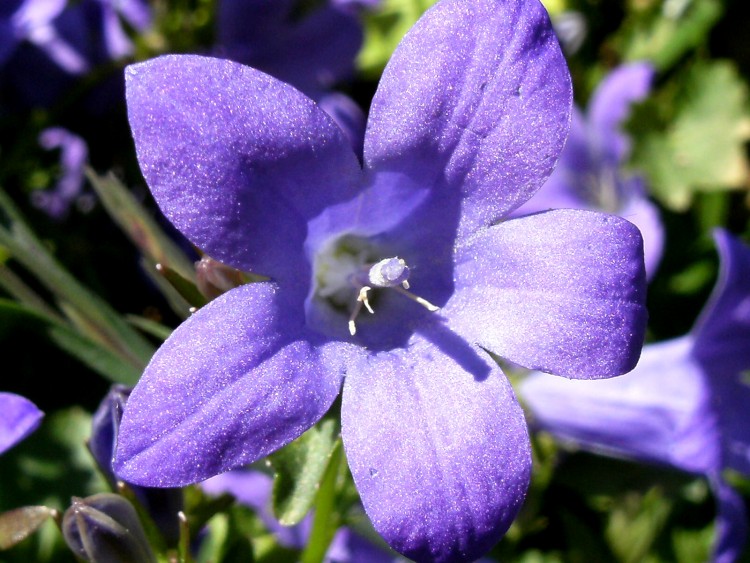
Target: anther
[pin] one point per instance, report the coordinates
(361, 300)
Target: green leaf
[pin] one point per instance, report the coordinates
(139, 226)
(298, 468)
(691, 138)
(149, 326)
(16, 316)
(16, 525)
(52, 465)
(668, 31)
(384, 29)
(327, 517)
(98, 320)
(228, 538)
(635, 522)
(200, 507)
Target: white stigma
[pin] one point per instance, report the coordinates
(390, 273)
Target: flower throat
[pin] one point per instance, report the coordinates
(348, 270)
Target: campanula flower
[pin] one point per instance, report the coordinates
(31, 21)
(313, 51)
(684, 405)
(394, 278)
(591, 172)
(51, 44)
(74, 153)
(19, 417)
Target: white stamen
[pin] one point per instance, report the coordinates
(363, 298)
(426, 304)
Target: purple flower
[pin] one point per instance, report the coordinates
(468, 121)
(60, 43)
(590, 174)
(74, 153)
(253, 489)
(314, 51)
(32, 21)
(684, 405)
(19, 417)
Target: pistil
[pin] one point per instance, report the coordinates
(390, 273)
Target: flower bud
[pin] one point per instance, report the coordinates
(104, 528)
(215, 278)
(161, 504)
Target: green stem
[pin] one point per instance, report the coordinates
(110, 328)
(22, 293)
(327, 519)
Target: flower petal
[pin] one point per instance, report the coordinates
(564, 188)
(722, 347)
(237, 160)
(475, 100)
(236, 381)
(440, 456)
(312, 54)
(639, 210)
(660, 412)
(610, 105)
(731, 522)
(561, 292)
(19, 417)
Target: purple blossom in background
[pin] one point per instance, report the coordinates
(253, 489)
(19, 417)
(590, 173)
(313, 52)
(571, 29)
(32, 21)
(46, 45)
(468, 121)
(74, 152)
(685, 404)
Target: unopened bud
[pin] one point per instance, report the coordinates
(104, 528)
(162, 504)
(215, 278)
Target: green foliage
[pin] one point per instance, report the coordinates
(664, 32)
(298, 470)
(47, 470)
(384, 29)
(690, 137)
(16, 316)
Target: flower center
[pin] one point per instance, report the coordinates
(348, 271)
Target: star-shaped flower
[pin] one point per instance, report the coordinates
(591, 173)
(468, 121)
(19, 417)
(684, 405)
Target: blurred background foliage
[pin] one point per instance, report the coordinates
(83, 303)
